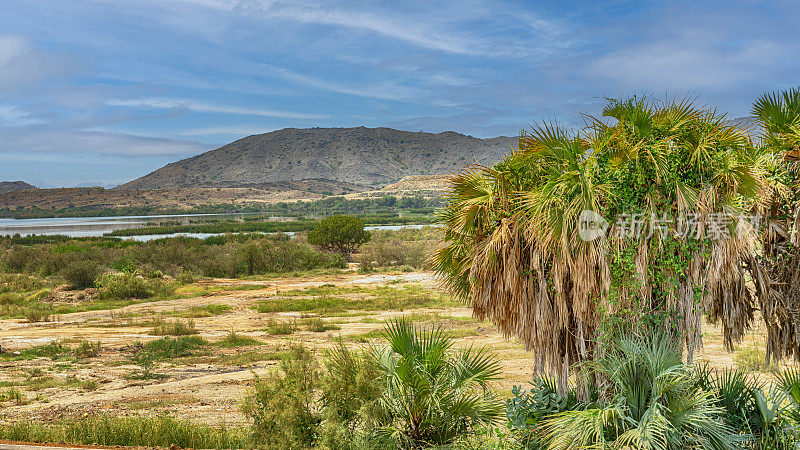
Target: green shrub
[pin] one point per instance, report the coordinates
(433, 394)
(280, 328)
(652, 401)
(126, 286)
(204, 311)
(339, 233)
(13, 395)
(280, 405)
(38, 313)
(526, 410)
(169, 348)
(87, 350)
(237, 340)
(174, 328)
(319, 325)
(350, 390)
(81, 274)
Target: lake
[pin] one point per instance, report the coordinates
(98, 226)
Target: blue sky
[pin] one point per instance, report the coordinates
(100, 92)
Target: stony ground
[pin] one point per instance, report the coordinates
(208, 385)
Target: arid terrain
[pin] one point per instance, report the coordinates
(267, 316)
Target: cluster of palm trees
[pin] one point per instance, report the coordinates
(513, 244)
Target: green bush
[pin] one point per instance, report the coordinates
(174, 328)
(280, 328)
(237, 340)
(398, 248)
(350, 390)
(81, 274)
(280, 405)
(339, 233)
(126, 286)
(87, 350)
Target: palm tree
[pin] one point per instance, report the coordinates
(431, 393)
(653, 402)
(513, 245)
(776, 270)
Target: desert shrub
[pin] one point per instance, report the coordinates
(174, 328)
(81, 274)
(13, 395)
(280, 328)
(131, 286)
(19, 259)
(237, 340)
(319, 325)
(280, 405)
(205, 311)
(146, 356)
(389, 248)
(350, 390)
(18, 283)
(38, 312)
(87, 350)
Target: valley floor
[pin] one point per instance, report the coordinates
(208, 383)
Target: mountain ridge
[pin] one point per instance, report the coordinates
(11, 186)
(358, 155)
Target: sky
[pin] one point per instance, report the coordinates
(99, 92)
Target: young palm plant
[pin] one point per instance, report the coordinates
(433, 394)
(653, 402)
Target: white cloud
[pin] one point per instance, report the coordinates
(193, 105)
(29, 140)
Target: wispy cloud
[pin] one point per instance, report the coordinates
(22, 64)
(43, 140)
(242, 130)
(11, 115)
(197, 106)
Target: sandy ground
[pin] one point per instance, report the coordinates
(207, 389)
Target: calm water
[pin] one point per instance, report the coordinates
(97, 226)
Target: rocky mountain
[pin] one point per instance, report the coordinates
(11, 186)
(365, 156)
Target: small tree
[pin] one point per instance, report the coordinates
(339, 233)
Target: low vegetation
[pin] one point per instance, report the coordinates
(126, 431)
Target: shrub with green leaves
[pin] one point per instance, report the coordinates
(351, 388)
(81, 274)
(339, 233)
(281, 404)
(125, 286)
